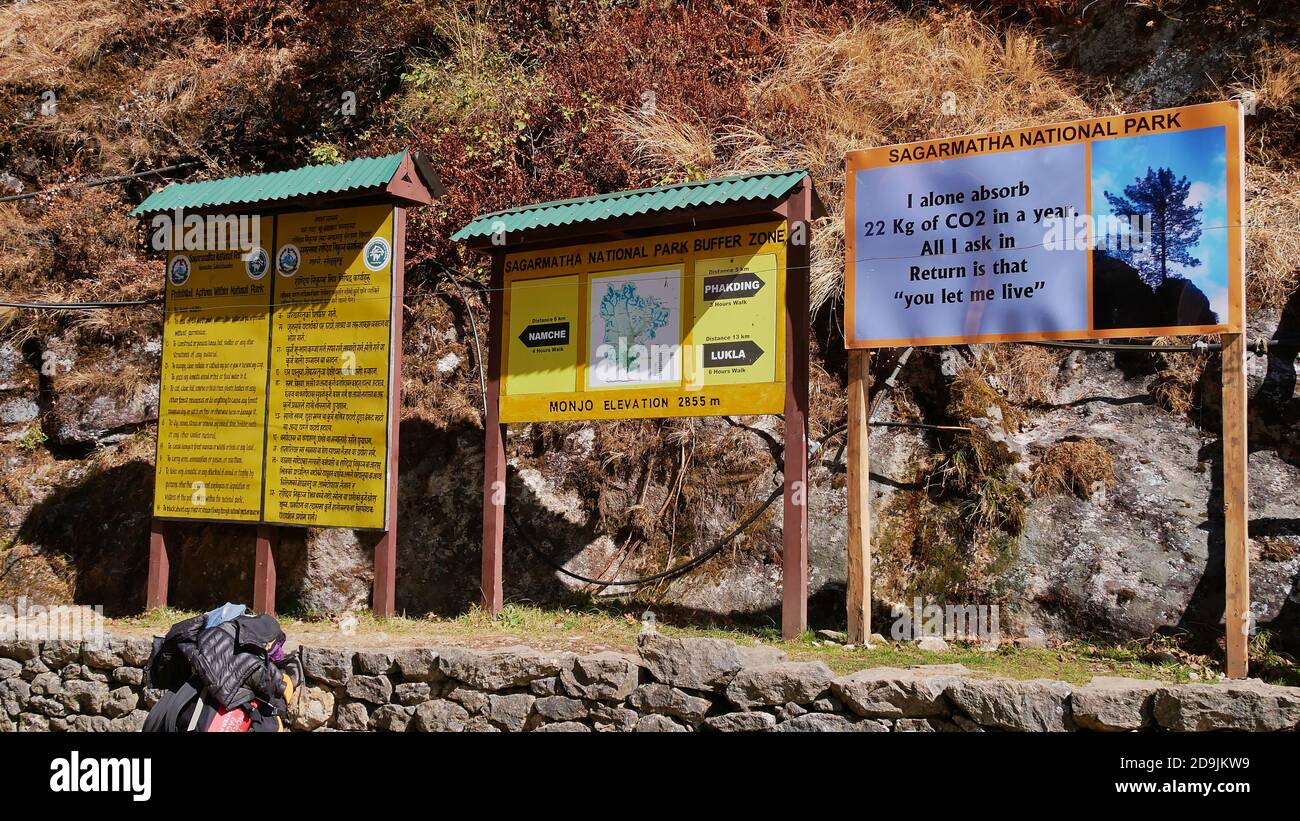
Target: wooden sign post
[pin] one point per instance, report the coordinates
(280, 398)
(722, 280)
(940, 249)
(859, 499)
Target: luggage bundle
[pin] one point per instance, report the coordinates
(224, 671)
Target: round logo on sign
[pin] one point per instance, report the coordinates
(288, 260)
(376, 253)
(256, 262)
(179, 271)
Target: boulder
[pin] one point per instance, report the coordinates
(658, 724)
(510, 712)
(561, 708)
(700, 664)
(475, 701)
(371, 689)
(85, 697)
(670, 701)
(1027, 706)
(133, 722)
(411, 693)
(604, 676)
(14, 693)
(131, 676)
(420, 664)
(392, 718)
(610, 718)
(564, 727)
(134, 652)
(311, 708)
(19, 649)
(751, 722)
(440, 716)
(1112, 704)
(327, 665)
(9, 669)
(120, 702)
(500, 669)
(891, 692)
(1234, 705)
(373, 663)
(352, 716)
(801, 682)
(819, 723)
(102, 655)
(60, 653)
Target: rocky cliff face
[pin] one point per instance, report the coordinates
(1126, 550)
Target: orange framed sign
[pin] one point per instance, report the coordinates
(1122, 226)
(683, 324)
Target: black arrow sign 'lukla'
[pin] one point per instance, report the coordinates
(732, 286)
(545, 335)
(728, 354)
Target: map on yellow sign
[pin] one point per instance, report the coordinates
(685, 324)
(277, 365)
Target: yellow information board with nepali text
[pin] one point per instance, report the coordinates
(277, 369)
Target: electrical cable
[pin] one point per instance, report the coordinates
(93, 183)
(80, 306)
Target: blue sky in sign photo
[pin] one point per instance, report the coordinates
(1199, 155)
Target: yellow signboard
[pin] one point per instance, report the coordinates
(274, 401)
(541, 336)
(212, 399)
(684, 324)
(328, 426)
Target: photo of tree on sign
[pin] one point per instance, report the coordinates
(1167, 265)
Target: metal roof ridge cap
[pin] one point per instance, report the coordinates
(637, 192)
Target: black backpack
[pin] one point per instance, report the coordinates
(220, 677)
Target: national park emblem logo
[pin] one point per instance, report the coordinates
(179, 271)
(288, 260)
(376, 253)
(256, 262)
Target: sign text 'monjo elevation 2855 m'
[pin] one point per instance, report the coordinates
(1114, 226)
(276, 373)
(682, 324)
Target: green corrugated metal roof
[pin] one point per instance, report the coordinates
(630, 203)
(311, 180)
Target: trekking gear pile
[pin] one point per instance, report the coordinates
(224, 671)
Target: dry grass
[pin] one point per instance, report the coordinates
(871, 83)
(1276, 549)
(1272, 236)
(1026, 374)
(1175, 387)
(971, 397)
(1077, 466)
(667, 144)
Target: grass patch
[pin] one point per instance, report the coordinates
(1077, 466)
(589, 628)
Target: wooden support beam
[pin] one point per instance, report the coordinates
(859, 499)
(494, 451)
(264, 571)
(1236, 511)
(383, 596)
(160, 533)
(794, 554)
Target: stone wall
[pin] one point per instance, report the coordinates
(670, 685)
